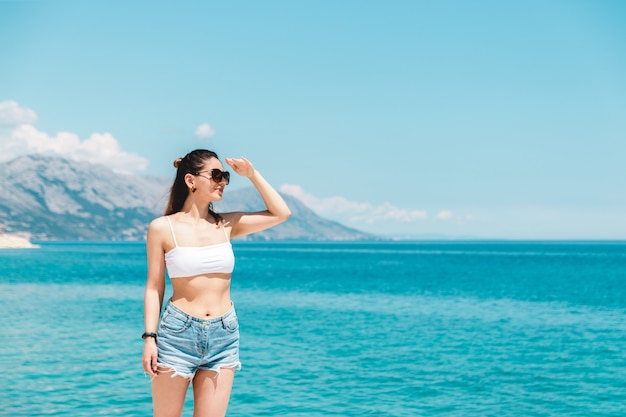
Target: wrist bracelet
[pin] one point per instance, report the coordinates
(148, 334)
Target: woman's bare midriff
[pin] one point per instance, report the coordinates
(202, 296)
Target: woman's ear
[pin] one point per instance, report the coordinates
(190, 181)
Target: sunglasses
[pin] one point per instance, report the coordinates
(216, 175)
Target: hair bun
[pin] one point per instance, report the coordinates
(177, 162)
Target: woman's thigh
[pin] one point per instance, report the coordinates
(168, 394)
(211, 392)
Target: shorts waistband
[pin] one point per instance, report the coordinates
(172, 308)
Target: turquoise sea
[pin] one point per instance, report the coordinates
(335, 329)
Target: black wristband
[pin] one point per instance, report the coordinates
(148, 334)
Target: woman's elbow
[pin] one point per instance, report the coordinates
(284, 215)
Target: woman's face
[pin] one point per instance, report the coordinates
(211, 180)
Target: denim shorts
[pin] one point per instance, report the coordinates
(187, 343)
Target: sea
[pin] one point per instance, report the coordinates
(392, 329)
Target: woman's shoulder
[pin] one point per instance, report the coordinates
(158, 225)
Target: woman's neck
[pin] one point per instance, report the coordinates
(195, 211)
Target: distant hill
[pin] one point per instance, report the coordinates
(52, 198)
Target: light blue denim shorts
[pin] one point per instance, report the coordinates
(187, 343)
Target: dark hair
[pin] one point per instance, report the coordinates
(192, 163)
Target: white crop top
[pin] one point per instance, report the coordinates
(189, 261)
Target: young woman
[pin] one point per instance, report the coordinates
(197, 338)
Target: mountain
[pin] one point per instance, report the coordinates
(52, 198)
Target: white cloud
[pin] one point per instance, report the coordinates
(205, 131)
(452, 218)
(12, 114)
(357, 212)
(24, 138)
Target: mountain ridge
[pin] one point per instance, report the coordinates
(52, 198)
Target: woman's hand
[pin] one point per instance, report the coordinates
(149, 357)
(241, 166)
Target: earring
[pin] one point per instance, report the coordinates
(193, 188)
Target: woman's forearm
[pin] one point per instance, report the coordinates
(153, 300)
(273, 201)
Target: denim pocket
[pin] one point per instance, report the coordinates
(231, 324)
(173, 323)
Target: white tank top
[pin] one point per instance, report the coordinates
(190, 261)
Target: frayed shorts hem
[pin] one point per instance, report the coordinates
(163, 368)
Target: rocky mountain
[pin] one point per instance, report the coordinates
(52, 198)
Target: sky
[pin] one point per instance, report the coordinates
(410, 119)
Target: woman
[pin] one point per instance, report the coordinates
(197, 337)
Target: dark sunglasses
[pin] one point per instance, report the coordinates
(216, 175)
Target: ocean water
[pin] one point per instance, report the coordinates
(335, 329)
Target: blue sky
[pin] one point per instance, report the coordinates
(485, 119)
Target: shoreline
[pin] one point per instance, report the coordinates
(15, 242)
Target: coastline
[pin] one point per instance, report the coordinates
(15, 242)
